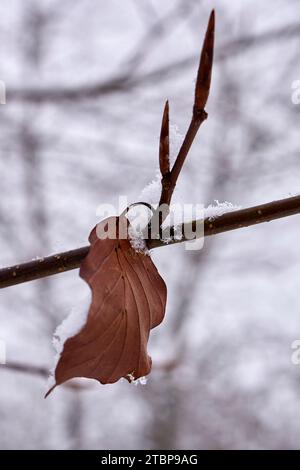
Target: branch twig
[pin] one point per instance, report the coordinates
(68, 260)
(169, 178)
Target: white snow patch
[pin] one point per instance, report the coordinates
(151, 192)
(132, 380)
(141, 381)
(137, 241)
(69, 328)
(219, 208)
(176, 139)
(181, 214)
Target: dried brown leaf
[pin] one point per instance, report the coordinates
(128, 299)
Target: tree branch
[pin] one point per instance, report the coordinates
(124, 83)
(68, 260)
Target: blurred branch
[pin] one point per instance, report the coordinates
(126, 81)
(234, 220)
(26, 368)
(42, 372)
(163, 26)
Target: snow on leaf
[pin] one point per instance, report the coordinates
(70, 326)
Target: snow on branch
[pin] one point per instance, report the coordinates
(231, 220)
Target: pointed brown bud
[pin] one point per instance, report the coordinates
(205, 67)
(164, 144)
